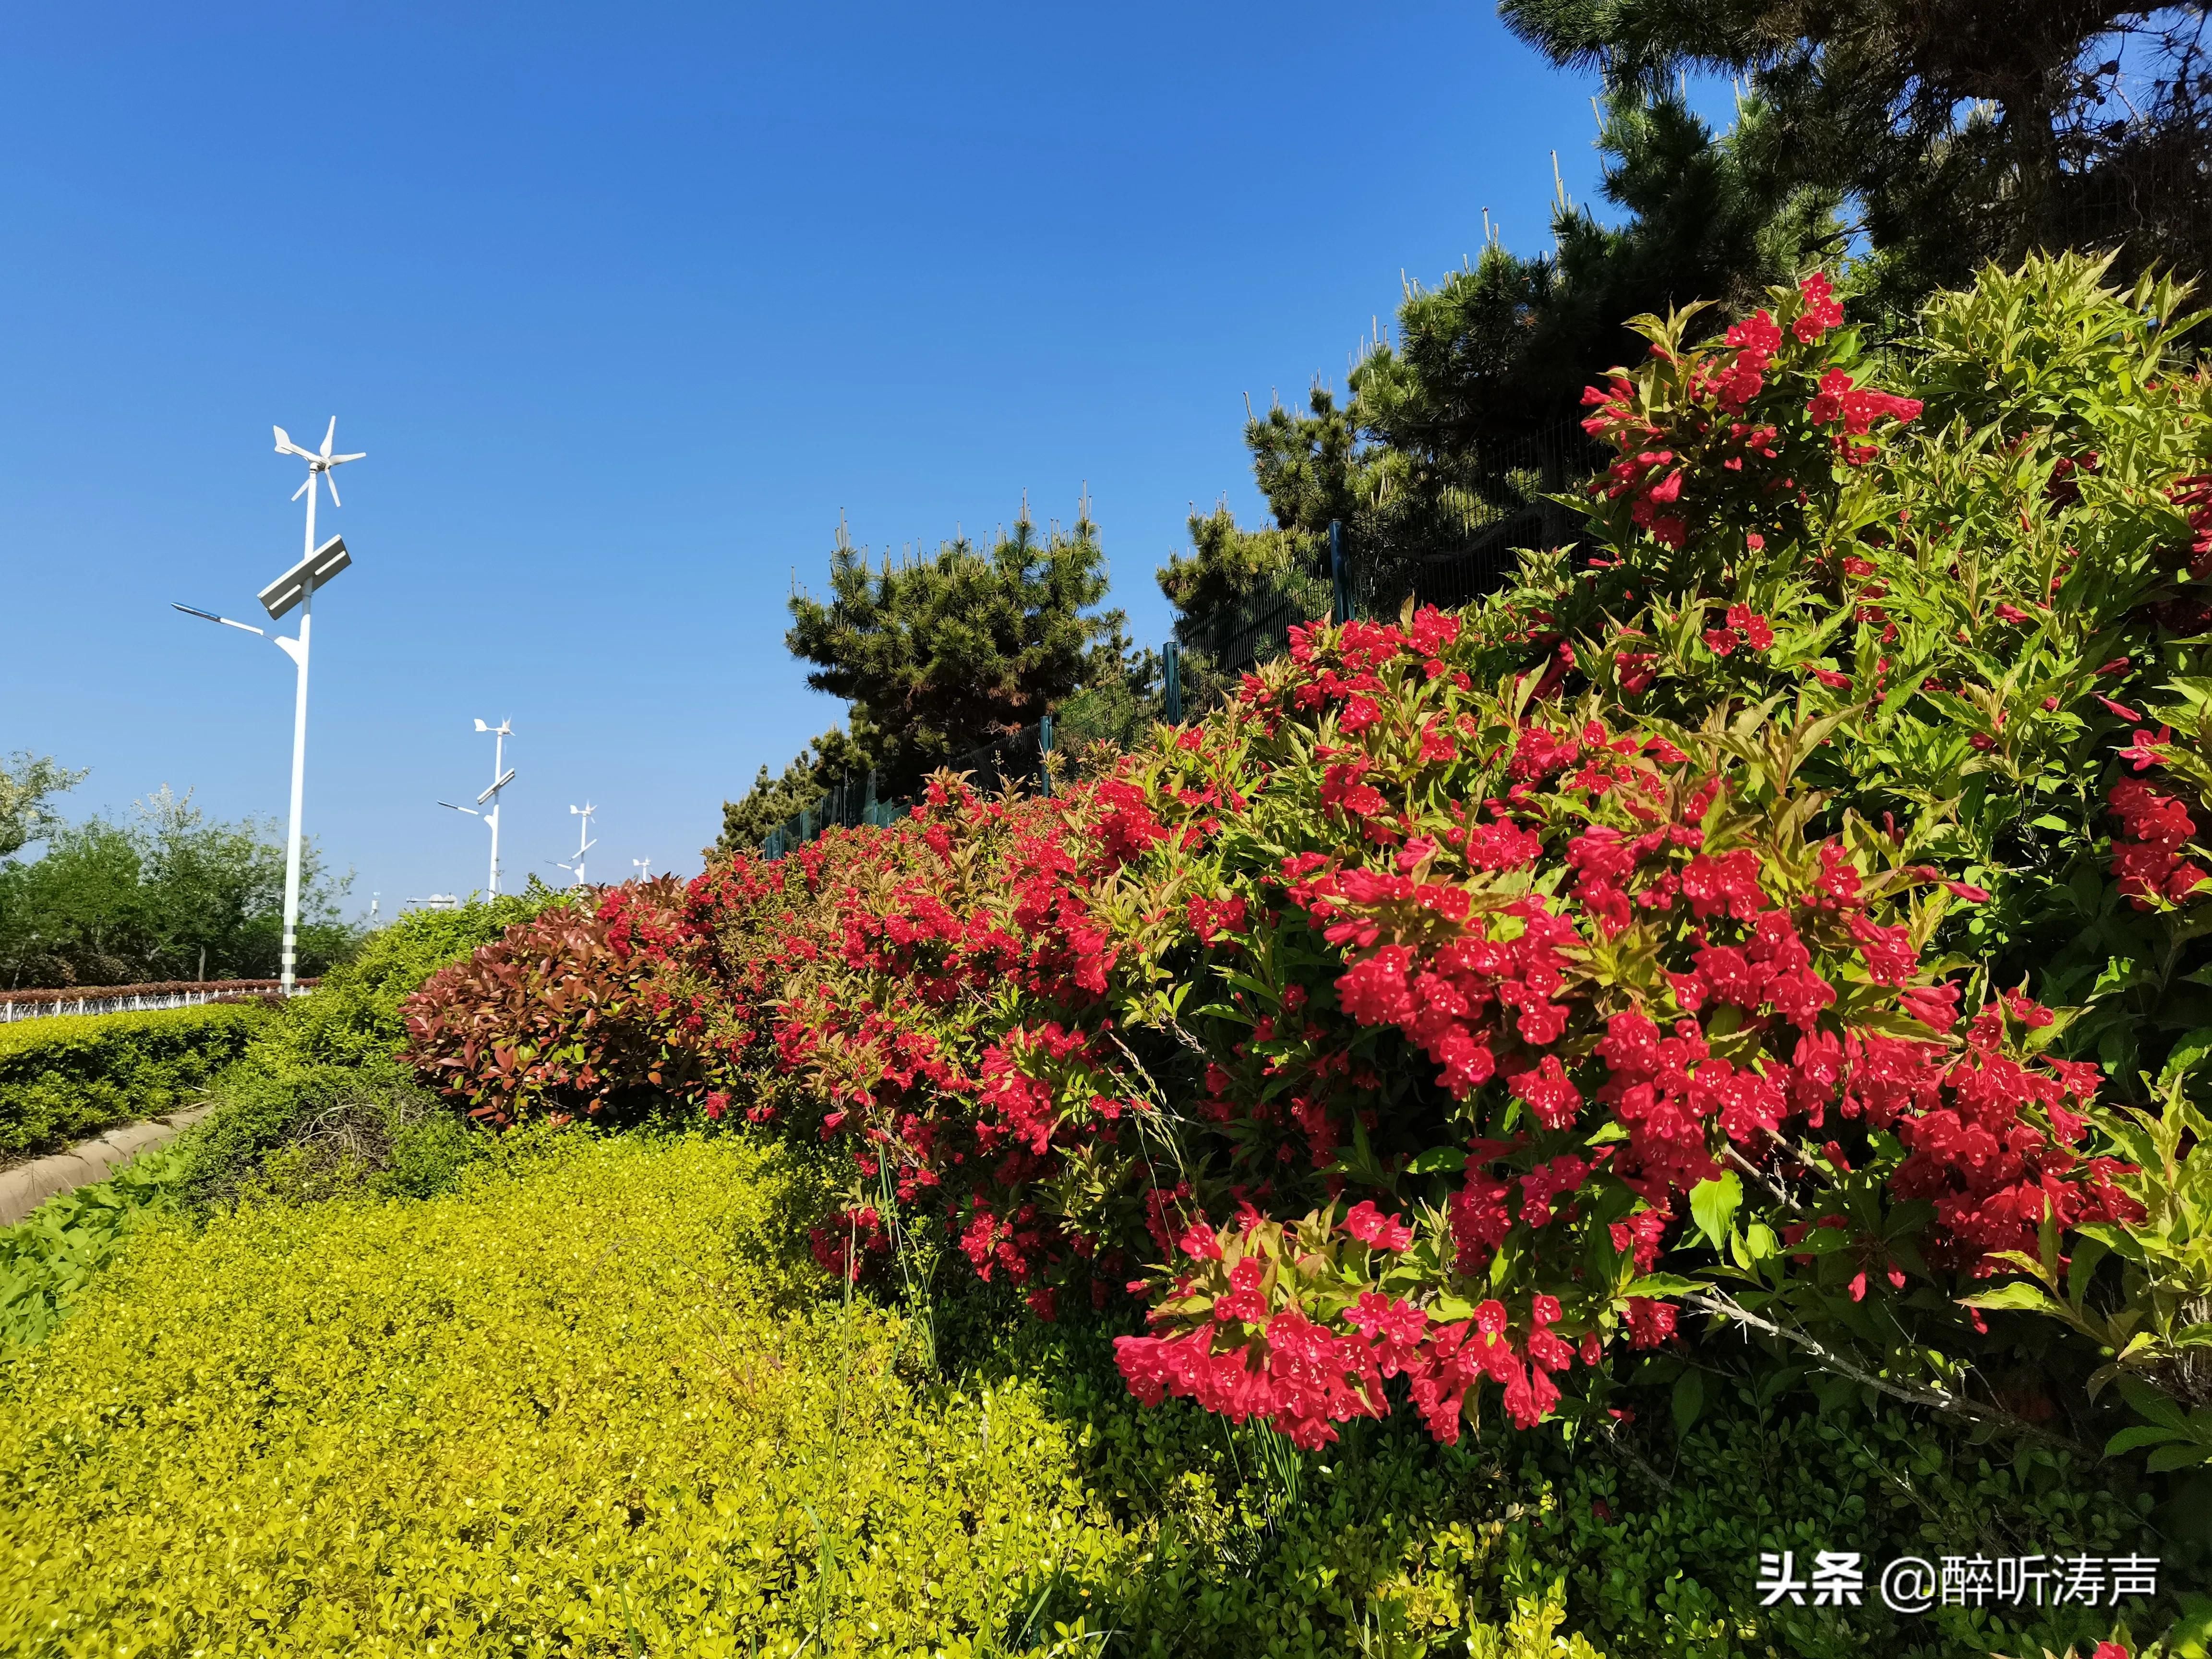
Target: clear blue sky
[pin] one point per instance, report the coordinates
(626, 304)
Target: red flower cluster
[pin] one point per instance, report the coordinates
(1856, 409)
(1744, 627)
(2148, 860)
(2193, 495)
(1711, 438)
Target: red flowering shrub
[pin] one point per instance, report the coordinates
(1990, 555)
(574, 1016)
(1470, 995)
(1414, 1030)
(1737, 438)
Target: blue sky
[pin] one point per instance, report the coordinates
(626, 304)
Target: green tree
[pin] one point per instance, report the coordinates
(168, 893)
(938, 655)
(1226, 563)
(27, 785)
(1963, 131)
(826, 762)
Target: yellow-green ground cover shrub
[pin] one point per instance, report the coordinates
(73, 1075)
(593, 1397)
(598, 1400)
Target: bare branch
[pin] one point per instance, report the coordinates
(1727, 1307)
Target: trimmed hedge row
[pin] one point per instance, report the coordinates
(73, 1075)
(151, 989)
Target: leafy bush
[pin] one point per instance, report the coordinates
(316, 1105)
(355, 1427)
(354, 1014)
(573, 1013)
(1642, 1541)
(71, 1075)
(305, 1133)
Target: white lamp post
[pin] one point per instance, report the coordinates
(296, 587)
(502, 775)
(584, 841)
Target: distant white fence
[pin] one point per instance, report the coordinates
(134, 998)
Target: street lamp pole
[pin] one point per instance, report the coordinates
(502, 775)
(296, 587)
(584, 841)
(297, 651)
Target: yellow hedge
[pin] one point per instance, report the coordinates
(71, 1075)
(534, 1417)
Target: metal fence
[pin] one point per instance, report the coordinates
(127, 998)
(1017, 757)
(1509, 503)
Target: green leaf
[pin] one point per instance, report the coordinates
(2186, 1053)
(1713, 1205)
(2149, 1402)
(1689, 1399)
(2177, 1456)
(1437, 1160)
(2020, 1294)
(2087, 1252)
(1662, 1284)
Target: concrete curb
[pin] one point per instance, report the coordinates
(26, 1186)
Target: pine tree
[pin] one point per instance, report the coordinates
(943, 654)
(1962, 131)
(1468, 416)
(831, 760)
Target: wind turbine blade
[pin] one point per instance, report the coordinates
(358, 455)
(304, 487)
(332, 479)
(329, 435)
(283, 439)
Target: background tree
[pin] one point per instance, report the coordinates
(937, 655)
(168, 893)
(1962, 131)
(27, 785)
(1226, 563)
(1470, 413)
(828, 761)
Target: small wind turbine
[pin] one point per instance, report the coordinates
(502, 775)
(319, 465)
(584, 841)
(296, 587)
(644, 868)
